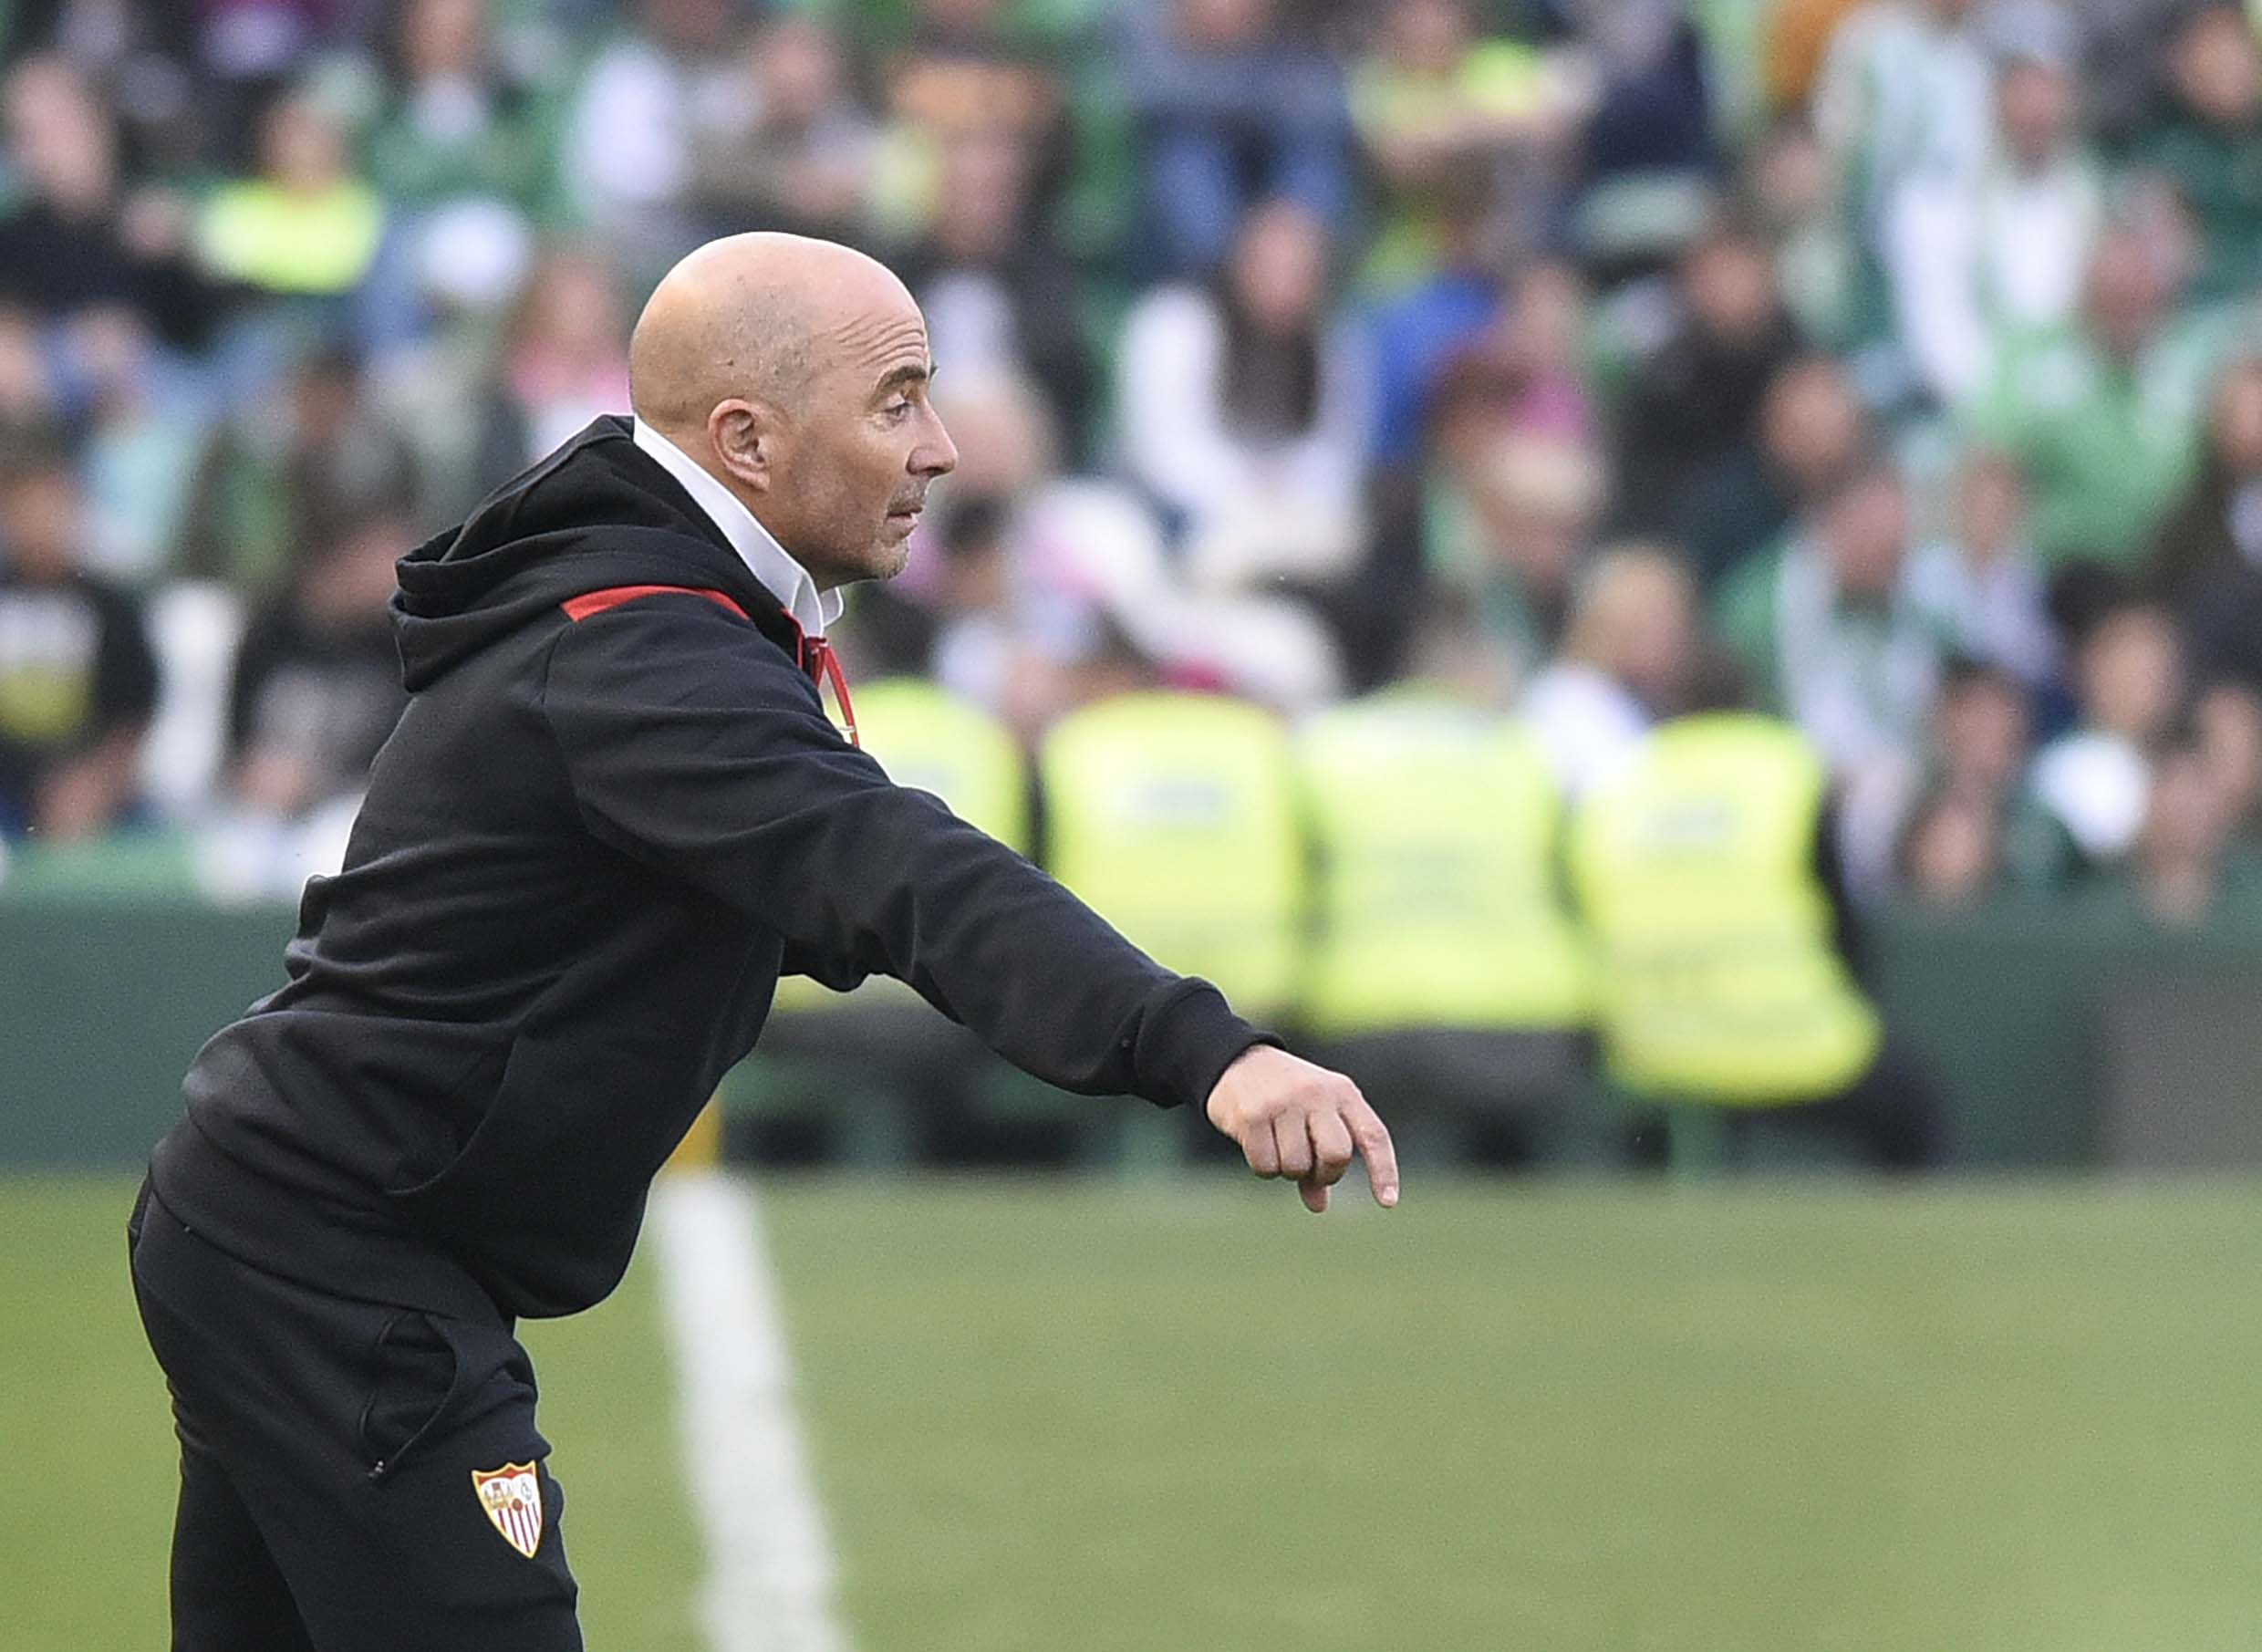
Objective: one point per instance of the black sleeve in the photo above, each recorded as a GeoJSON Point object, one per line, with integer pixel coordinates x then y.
{"type": "Point", "coordinates": [693, 745]}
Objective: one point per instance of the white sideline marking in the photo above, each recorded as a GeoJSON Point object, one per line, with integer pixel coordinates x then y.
{"type": "Point", "coordinates": [769, 1563]}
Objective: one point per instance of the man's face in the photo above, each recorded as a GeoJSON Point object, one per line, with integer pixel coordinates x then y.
{"type": "Point", "coordinates": [855, 458]}
{"type": "Point", "coordinates": [1984, 728]}
{"type": "Point", "coordinates": [1659, 649]}
{"type": "Point", "coordinates": [1990, 506]}
{"type": "Point", "coordinates": [2217, 66]}
{"type": "Point", "coordinates": [2131, 674]}
{"type": "Point", "coordinates": [58, 136]}
{"type": "Point", "coordinates": [1867, 533]}
{"type": "Point", "coordinates": [1811, 424]}
{"type": "Point", "coordinates": [2124, 294]}
{"type": "Point", "coordinates": [39, 524]}
{"type": "Point", "coordinates": [1730, 286]}
{"type": "Point", "coordinates": [2035, 103]}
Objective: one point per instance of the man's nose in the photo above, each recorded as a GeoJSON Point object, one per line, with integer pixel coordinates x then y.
{"type": "Point", "coordinates": [937, 454]}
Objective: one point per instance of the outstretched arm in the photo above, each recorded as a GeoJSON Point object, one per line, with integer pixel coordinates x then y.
{"type": "Point", "coordinates": [696, 748]}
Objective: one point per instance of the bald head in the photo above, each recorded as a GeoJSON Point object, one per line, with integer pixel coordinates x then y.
{"type": "Point", "coordinates": [792, 370]}
{"type": "Point", "coordinates": [744, 317]}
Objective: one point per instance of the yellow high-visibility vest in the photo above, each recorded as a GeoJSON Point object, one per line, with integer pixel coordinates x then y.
{"type": "Point", "coordinates": [321, 244]}
{"type": "Point", "coordinates": [1717, 974]}
{"type": "Point", "coordinates": [1173, 816]}
{"type": "Point", "coordinates": [929, 738]}
{"type": "Point", "coordinates": [1435, 885]}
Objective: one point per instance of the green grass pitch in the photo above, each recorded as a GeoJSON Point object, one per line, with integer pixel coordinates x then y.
{"type": "Point", "coordinates": [1081, 1417]}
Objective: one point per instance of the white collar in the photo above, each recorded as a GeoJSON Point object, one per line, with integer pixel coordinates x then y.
{"type": "Point", "coordinates": [770, 562]}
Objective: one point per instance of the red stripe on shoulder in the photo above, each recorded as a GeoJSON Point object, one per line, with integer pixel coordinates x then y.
{"type": "Point", "coordinates": [597, 602]}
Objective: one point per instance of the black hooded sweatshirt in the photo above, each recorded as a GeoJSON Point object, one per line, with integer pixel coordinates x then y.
{"type": "Point", "coordinates": [610, 818]}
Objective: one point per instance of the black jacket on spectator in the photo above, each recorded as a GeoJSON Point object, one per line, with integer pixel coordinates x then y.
{"type": "Point", "coordinates": [53, 265]}
{"type": "Point", "coordinates": [330, 696]}
{"type": "Point", "coordinates": [605, 825]}
{"type": "Point", "coordinates": [1689, 455]}
{"type": "Point", "coordinates": [75, 667]}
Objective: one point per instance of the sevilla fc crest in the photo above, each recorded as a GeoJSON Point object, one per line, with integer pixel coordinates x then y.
{"type": "Point", "coordinates": [511, 1497]}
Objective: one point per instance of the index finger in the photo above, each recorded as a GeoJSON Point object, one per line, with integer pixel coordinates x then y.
{"type": "Point", "coordinates": [1374, 1138]}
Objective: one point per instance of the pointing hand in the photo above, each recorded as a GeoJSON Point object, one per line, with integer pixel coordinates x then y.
{"type": "Point", "coordinates": [1294, 1119]}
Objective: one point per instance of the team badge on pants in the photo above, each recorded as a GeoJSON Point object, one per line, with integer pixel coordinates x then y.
{"type": "Point", "coordinates": [512, 1496]}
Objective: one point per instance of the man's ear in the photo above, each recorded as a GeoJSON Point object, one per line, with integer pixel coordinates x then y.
{"type": "Point", "coordinates": [744, 434]}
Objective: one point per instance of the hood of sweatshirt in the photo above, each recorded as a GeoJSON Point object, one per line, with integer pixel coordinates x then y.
{"type": "Point", "coordinates": [597, 513]}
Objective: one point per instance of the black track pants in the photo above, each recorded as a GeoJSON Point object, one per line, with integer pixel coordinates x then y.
{"type": "Point", "coordinates": [354, 1478]}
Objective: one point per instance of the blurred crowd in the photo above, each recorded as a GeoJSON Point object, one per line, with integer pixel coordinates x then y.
{"type": "Point", "coordinates": [1899, 361]}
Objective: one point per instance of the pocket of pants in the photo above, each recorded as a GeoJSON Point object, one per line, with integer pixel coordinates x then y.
{"type": "Point", "coordinates": [419, 1380]}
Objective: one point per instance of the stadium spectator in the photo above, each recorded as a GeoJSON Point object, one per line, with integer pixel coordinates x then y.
{"type": "Point", "coordinates": [1973, 768]}
{"type": "Point", "coordinates": [1982, 733]}
{"type": "Point", "coordinates": [77, 238]}
{"type": "Point", "coordinates": [2183, 866]}
{"type": "Point", "coordinates": [1976, 256]}
{"type": "Point", "coordinates": [1089, 569]}
{"type": "Point", "coordinates": [1510, 522]}
{"type": "Point", "coordinates": [1830, 631]}
{"type": "Point", "coordinates": [27, 385]}
{"type": "Point", "coordinates": [999, 290]}
{"type": "Point", "coordinates": [289, 474]}
{"type": "Point", "coordinates": [145, 436]}
{"type": "Point", "coordinates": [1417, 330]}
{"type": "Point", "coordinates": [459, 124]}
{"type": "Point", "coordinates": [1627, 660]}
{"type": "Point", "coordinates": [1904, 92]}
{"type": "Point", "coordinates": [1950, 857]}
{"type": "Point", "coordinates": [2227, 721]}
{"type": "Point", "coordinates": [1646, 159]}
{"type": "Point", "coordinates": [1789, 190]}
{"type": "Point", "coordinates": [2217, 528]}
{"type": "Point", "coordinates": [1242, 408]}
{"type": "Point", "coordinates": [2207, 145]}
{"type": "Point", "coordinates": [797, 150]}
{"type": "Point", "coordinates": [77, 680]}
{"type": "Point", "coordinates": [1231, 111]}
{"type": "Point", "coordinates": [957, 73]}
{"type": "Point", "coordinates": [1038, 592]}
{"type": "Point", "coordinates": [1438, 110]}
{"type": "Point", "coordinates": [972, 608]}
{"type": "Point", "coordinates": [1977, 587]}
{"type": "Point", "coordinates": [565, 360]}
{"type": "Point", "coordinates": [1449, 656]}
{"type": "Point", "coordinates": [1689, 425]}
{"type": "Point", "coordinates": [247, 51]}
{"type": "Point", "coordinates": [318, 678]}
{"type": "Point", "coordinates": [2094, 780]}
{"type": "Point", "coordinates": [1812, 431]}
{"type": "Point", "coordinates": [1543, 338]}
{"type": "Point", "coordinates": [2101, 414]}
{"type": "Point", "coordinates": [2125, 62]}
{"type": "Point", "coordinates": [306, 225]}
{"type": "Point", "coordinates": [1731, 960]}
{"type": "Point", "coordinates": [649, 92]}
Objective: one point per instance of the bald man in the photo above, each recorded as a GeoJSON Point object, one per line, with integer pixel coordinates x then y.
{"type": "Point", "coordinates": [614, 812]}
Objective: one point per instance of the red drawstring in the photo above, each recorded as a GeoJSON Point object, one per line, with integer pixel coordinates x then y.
{"type": "Point", "coordinates": [824, 666]}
